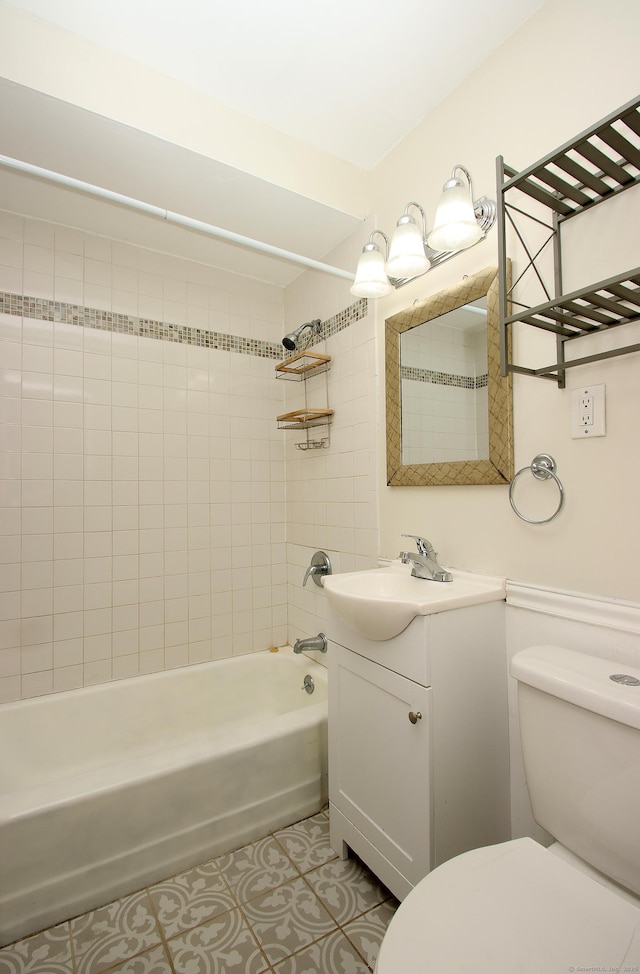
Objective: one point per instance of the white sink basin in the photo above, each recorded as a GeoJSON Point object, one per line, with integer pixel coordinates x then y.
{"type": "Point", "coordinates": [380, 603]}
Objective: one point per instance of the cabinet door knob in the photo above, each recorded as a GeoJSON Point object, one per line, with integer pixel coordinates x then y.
{"type": "Point", "coordinates": [415, 716]}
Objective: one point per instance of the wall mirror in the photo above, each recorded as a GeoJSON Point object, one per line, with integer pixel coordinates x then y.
{"type": "Point", "coordinates": [449, 411]}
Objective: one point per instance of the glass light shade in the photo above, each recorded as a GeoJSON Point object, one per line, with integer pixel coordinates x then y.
{"type": "Point", "coordinates": [371, 280]}
{"type": "Point", "coordinates": [406, 252]}
{"type": "Point", "coordinates": [455, 226]}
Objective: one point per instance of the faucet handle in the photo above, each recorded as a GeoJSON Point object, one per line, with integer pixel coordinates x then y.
{"type": "Point", "coordinates": [319, 567]}
{"type": "Point", "coordinates": [424, 547]}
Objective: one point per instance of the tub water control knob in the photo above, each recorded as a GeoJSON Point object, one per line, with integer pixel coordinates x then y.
{"type": "Point", "coordinates": [415, 716]}
{"type": "Point", "coordinates": [320, 567]}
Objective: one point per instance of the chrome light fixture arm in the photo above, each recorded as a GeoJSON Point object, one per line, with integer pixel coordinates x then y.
{"type": "Point", "coordinates": [484, 209]}
{"type": "Point", "coordinates": [371, 277]}
{"type": "Point", "coordinates": [407, 249]}
{"type": "Point", "coordinates": [406, 215]}
{"type": "Point", "coordinates": [406, 218]}
{"type": "Point", "coordinates": [371, 246]}
{"type": "Point", "coordinates": [454, 181]}
{"type": "Point", "coordinates": [460, 223]}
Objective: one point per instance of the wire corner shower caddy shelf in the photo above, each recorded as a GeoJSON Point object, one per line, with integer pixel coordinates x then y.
{"type": "Point", "coordinates": [300, 367]}
{"type": "Point", "coordinates": [593, 167]}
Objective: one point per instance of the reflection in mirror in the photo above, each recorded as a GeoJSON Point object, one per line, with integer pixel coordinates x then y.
{"type": "Point", "coordinates": [443, 382]}
{"type": "Point", "coordinates": [449, 415]}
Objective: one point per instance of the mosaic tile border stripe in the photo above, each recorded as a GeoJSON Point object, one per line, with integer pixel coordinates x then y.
{"type": "Point", "coordinates": [43, 309]}
{"type": "Point", "coordinates": [343, 319]}
{"type": "Point", "coordinates": [444, 378]}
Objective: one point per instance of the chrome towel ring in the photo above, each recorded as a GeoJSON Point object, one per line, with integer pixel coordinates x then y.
{"type": "Point", "coordinates": [542, 467]}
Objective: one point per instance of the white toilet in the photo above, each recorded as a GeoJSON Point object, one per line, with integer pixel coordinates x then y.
{"type": "Point", "coordinates": [517, 906]}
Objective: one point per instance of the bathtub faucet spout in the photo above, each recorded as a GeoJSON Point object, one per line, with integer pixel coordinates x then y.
{"type": "Point", "coordinates": [317, 643]}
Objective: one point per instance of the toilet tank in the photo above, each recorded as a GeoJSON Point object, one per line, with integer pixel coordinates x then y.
{"type": "Point", "coordinates": [580, 734]}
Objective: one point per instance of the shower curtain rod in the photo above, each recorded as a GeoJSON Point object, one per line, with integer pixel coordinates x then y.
{"type": "Point", "coordinates": [169, 217]}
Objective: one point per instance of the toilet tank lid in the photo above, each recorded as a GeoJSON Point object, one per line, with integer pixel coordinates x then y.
{"type": "Point", "coordinates": [582, 680]}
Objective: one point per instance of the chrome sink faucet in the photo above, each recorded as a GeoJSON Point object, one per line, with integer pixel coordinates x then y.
{"type": "Point", "coordinates": [424, 561]}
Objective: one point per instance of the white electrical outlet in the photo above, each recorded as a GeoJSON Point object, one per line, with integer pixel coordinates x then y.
{"type": "Point", "coordinates": [587, 412]}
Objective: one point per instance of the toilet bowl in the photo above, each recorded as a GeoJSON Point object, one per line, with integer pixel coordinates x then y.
{"type": "Point", "coordinates": [513, 907]}
{"type": "Point", "coordinates": [517, 907]}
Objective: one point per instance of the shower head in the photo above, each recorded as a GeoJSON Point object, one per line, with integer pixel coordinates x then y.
{"type": "Point", "coordinates": [292, 340]}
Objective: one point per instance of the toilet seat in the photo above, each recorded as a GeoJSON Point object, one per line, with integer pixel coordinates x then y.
{"type": "Point", "coordinates": [513, 907]}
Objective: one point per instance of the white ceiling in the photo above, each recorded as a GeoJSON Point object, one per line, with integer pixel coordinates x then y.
{"type": "Point", "coordinates": [351, 77]}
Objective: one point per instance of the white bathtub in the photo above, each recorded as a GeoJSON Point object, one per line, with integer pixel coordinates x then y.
{"type": "Point", "coordinates": [107, 789]}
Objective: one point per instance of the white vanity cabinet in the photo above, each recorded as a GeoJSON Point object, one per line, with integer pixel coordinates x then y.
{"type": "Point", "coordinates": [418, 742]}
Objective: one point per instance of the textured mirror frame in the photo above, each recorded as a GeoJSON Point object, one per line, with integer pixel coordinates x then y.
{"type": "Point", "coordinates": [498, 469]}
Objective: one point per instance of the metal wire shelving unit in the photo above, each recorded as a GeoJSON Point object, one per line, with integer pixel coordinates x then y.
{"type": "Point", "coordinates": [592, 168]}
{"type": "Point", "coordinates": [300, 367]}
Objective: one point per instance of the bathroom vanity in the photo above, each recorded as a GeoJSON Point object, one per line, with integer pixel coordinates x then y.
{"type": "Point", "coordinates": [418, 738]}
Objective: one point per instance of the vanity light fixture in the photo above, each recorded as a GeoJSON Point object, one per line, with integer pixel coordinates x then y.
{"type": "Point", "coordinates": [460, 223]}
{"type": "Point", "coordinates": [407, 251]}
{"type": "Point", "coordinates": [371, 277]}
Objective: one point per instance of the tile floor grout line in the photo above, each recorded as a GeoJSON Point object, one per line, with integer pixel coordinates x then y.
{"type": "Point", "coordinates": [354, 945]}
{"type": "Point", "coordinates": [341, 926]}
{"type": "Point", "coordinates": [72, 949]}
{"type": "Point", "coordinates": [300, 875]}
{"type": "Point", "coordinates": [308, 844]}
{"type": "Point", "coordinates": [237, 904]}
{"type": "Point", "coordinates": [305, 946]}
{"type": "Point", "coordinates": [268, 969]}
{"type": "Point", "coordinates": [163, 937]}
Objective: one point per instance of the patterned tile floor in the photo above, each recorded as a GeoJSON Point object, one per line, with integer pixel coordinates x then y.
{"type": "Point", "coordinates": [282, 905]}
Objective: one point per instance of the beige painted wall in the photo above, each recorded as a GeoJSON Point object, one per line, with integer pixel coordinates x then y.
{"type": "Point", "coordinates": [537, 92]}
{"type": "Point", "coordinates": [56, 62]}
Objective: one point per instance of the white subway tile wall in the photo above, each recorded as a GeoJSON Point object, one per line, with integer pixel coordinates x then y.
{"type": "Point", "coordinates": [142, 513]}
{"type": "Point", "coordinates": [332, 500]}
{"type": "Point", "coordinates": [146, 493]}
